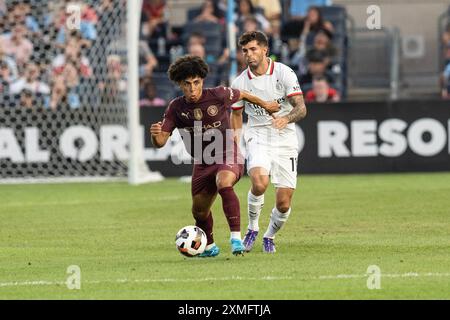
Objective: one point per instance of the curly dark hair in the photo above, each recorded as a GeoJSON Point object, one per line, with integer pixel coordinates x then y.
{"type": "Point", "coordinates": [187, 67]}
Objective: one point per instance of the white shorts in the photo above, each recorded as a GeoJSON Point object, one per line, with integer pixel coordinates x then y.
{"type": "Point", "coordinates": [280, 162]}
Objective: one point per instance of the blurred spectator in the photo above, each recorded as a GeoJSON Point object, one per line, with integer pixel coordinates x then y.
{"type": "Point", "coordinates": [196, 46]}
{"type": "Point", "coordinates": [322, 42]}
{"type": "Point", "coordinates": [321, 91]}
{"type": "Point", "coordinates": [58, 98]}
{"type": "Point", "coordinates": [271, 8]}
{"type": "Point", "coordinates": [2, 8]}
{"type": "Point", "coordinates": [75, 86]}
{"type": "Point", "coordinates": [154, 20]}
{"type": "Point", "coordinates": [16, 45]}
{"type": "Point", "coordinates": [8, 63]}
{"type": "Point", "coordinates": [250, 24]}
{"type": "Point", "coordinates": [298, 9]}
{"type": "Point", "coordinates": [445, 82]}
{"type": "Point", "coordinates": [317, 67]}
{"type": "Point", "coordinates": [197, 50]}
{"type": "Point", "coordinates": [446, 43]}
{"type": "Point", "coordinates": [27, 99]}
{"type": "Point", "coordinates": [19, 12]}
{"type": "Point", "coordinates": [313, 23]}
{"type": "Point", "coordinates": [149, 96]}
{"type": "Point", "coordinates": [87, 31]}
{"type": "Point", "coordinates": [211, 12]}
{"type": "Point", "coordinates": [247, 10]}
{"type": "Point", "coordinates": [5, 79]}
{"type": "Point", "coordinates": [115, 86]}
{"type": "Point", "coordinates": [147, 60]}
{"type": "Point", "coordinates": [72, 53]}
{"type": "Point", "coordinates": [30, 81]}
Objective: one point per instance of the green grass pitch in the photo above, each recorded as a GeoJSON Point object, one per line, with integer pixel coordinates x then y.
{"type": "Point", "coordinates": [122, 238]}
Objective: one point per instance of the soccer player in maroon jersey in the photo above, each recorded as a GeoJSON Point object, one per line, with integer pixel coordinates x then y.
{"type": "Point", "coordinates": [202, 117]}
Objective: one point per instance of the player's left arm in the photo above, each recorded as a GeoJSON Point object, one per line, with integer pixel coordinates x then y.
{"type": "Point", "coordinates": [294, 95]}
{"type": "Point", "coordinates": [298, 112]}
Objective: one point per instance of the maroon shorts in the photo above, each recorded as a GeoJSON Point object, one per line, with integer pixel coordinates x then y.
{"type": "Point", "coordinates": [204, 176]}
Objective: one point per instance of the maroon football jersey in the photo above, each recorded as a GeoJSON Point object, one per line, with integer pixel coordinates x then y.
{"type": "Point", "coordinates": [205, 125]}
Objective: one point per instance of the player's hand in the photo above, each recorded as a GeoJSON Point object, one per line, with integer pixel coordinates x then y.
{"type": "Point", "coordinates": [272, 106]}
{"type": "Point", "coordinates": [279, 123]}
{"type": "Point", "coordinates": [156, 129]}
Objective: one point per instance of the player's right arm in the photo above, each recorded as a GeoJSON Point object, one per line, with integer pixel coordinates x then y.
{"type": "Point", "coordinates": [159, 137]}
{"type": "Point", "coordinates": [161, 131]}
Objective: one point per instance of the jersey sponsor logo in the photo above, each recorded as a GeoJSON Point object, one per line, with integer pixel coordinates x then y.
{"type": "Point", "coordinates": [213, 111]}
{"type": "Point", "coordinates": [198, 114]}
{"type": "Point", "coordinates": [259, 111]}
{"type": "Point", "coordinates": [203, 128]}
{"type": "Point", "coordinates": [281, 100]}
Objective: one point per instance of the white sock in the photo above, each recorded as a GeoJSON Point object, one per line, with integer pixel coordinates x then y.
{"type": "Point", "coordinates": [236, 235]}
{"type": "Point", "coordinates": [255, 205]}
{"type": "Point", "coordinates": [209, 246]}
{"type": "Point", "coordinates": [277, 220]}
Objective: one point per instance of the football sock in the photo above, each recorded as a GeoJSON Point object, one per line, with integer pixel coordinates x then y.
{"type": "Point", "coordinates": [207, 226]}
{"type": "Point", "coordinates": [277, 220]}
{"type": "Point", "coordinates": [236, 235]}
{"type": "Point", "coordinates": [231, 208]}
{"type": "Point", "coordinates": [255, 205]}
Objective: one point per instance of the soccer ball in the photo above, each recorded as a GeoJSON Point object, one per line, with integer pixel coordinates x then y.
{"type": "Point", "coordinates": [191, 241]}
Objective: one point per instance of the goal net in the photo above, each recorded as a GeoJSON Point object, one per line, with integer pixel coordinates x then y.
{"type": "Point", "coordinates": [68, 91]}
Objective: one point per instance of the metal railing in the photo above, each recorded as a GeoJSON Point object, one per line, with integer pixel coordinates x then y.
{"type": "Point", "coordinates": [374, 59]}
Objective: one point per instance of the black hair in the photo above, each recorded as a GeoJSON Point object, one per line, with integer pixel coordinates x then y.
{"type": "Point", "coordinates": [187, 67]}
{"type": "Point", "coordinates": [259, 36]}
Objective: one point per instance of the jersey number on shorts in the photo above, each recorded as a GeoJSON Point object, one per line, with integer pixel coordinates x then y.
{"type": "Point", "coordinates": [294, 163]}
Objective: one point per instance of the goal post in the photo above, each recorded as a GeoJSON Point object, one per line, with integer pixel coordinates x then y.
{"type": "Point", "coordinates": [69, 102]}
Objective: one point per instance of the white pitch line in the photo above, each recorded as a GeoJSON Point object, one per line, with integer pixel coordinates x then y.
{"type": "Point", "coordinates": [122, 281]}
{"type": "Point", "coordinates": [385, 275]}
{"type": "Point", "coordinates": [96, 202]}
{"type": "Point", "coordinates": [235, 278]}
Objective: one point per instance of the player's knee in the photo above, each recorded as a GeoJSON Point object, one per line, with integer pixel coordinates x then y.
{"type": "Point", "coordinates": [199, 214]}
{"type": "Point", "coordinates": [222, 184]}
{"type": "Point", "coordinates": [283, 205]}
{"type": "Point", "coordinates": [259, 188]}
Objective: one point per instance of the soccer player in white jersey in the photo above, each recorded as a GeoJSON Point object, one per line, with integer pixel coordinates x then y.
{"type": "Point", "coordinates": [271, 140]}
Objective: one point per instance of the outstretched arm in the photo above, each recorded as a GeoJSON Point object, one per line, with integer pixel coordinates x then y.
{"type": "Point", "coordinates": [298, 112]}
{"type": "Point", "coordinates": [236, 120]}
{"type": "Point", "coordinates": [269, 106]}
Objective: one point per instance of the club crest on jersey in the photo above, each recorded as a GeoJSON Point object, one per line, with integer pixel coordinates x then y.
{"type": "Point", "coordinates": [279, 85]}
{"type": "Point", "coordinates": [213, 111]}
{"type": "Point", "coordinates": [198, 114]}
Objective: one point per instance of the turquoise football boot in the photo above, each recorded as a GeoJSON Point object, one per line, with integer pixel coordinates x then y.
{"type": "Point", "coordinates": [237, 248]}
{"type": "Point", "coordinates": [213, 252]}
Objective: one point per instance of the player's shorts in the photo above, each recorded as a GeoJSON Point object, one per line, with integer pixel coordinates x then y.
{"type": "Point", "coordinates": [204, 176]}
{"type": "Point", "coordinates": [280, 162]}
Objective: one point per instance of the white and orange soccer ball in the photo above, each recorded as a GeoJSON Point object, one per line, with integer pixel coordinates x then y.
{"type": "Point", "coordinates": [191, 241]}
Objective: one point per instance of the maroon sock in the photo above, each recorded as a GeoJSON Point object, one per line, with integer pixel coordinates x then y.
{"type": "Point", "coordinates": [231, 208]}
{"type": "Point", "coordinates": [207, 226]}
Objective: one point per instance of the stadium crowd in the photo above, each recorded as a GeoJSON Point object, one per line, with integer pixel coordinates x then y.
{"type": "Point", "coordinates": [299, 37]}
{"type": "Point", "coordinates": [45, 62]}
